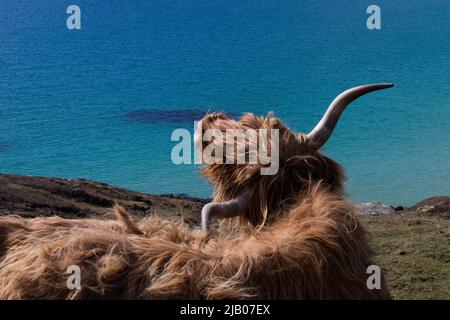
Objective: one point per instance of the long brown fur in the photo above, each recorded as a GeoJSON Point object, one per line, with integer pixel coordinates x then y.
{"type": "Point", "coordinates": [299, 240]}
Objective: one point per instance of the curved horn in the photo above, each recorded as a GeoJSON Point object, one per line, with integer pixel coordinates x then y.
{"type": "Point", "coordinates": [323, 130]}
{"type": "Point", "coordinates": [228, 209]}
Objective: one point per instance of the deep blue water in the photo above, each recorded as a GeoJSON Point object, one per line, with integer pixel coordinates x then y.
{"type": "Point", "coordinates": [98, 102]}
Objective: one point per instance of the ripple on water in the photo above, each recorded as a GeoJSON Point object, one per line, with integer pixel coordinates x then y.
{"type": "Point", "coordinates": [4, 146]}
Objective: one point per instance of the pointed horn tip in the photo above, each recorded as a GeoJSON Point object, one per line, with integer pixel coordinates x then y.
{"type": "Point", "coordinates": [323, 130]}
{"type": "Point", "coordinates": [374, 86]}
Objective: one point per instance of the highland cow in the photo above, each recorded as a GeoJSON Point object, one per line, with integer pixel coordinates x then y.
{"type": "Point", "coordinates": [290, 235]}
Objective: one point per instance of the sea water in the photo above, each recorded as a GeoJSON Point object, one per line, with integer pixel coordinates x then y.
{"type": "Point", "coordinates": [101, 102]}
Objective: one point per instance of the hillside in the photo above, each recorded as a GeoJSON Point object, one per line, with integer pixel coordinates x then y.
{"type": "Point", "coordinates": [412, 245]}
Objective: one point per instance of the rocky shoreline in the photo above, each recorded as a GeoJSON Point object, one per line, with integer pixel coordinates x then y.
{"type": "Point", "coordinates": [31, 196]}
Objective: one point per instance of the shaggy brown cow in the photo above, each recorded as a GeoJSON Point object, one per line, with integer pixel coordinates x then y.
{"type": "Point", "coordinates": [293, 236]}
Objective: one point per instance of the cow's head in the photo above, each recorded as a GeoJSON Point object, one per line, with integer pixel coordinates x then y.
{"type": "Point", "coordinates": [259, 167]}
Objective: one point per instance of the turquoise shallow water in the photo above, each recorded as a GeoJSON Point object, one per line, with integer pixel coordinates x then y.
{"type": "Point", "coordinates": [71, 101]}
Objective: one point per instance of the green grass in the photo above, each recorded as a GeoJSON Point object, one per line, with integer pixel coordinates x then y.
{"type": "Point", "coordinates": [414, 252]}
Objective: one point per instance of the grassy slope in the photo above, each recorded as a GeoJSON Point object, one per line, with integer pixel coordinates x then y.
{"type": "Point", "coordinates": [414, 251]}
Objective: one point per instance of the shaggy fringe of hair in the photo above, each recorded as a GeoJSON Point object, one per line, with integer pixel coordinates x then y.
{"type": "Point", "coordinates": [316, 251]}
